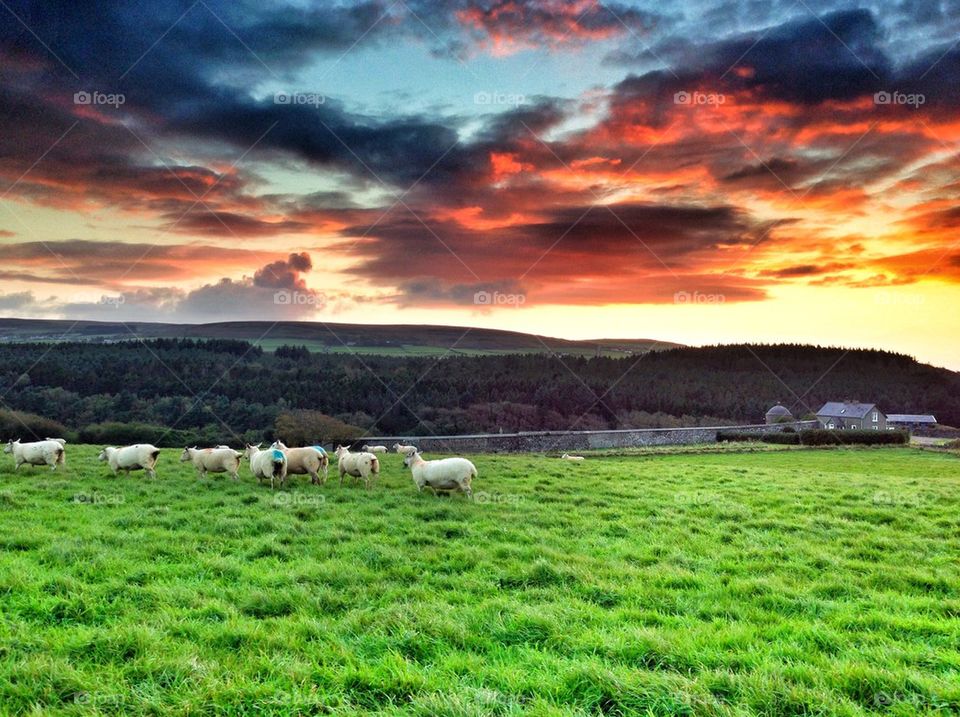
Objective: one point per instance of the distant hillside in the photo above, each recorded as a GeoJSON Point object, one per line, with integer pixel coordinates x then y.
{"type": "Point", "coordinates": [385, 339]}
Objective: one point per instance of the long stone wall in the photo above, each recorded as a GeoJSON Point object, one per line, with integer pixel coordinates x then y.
{"type": "Point", "coordinates": [544, 441]}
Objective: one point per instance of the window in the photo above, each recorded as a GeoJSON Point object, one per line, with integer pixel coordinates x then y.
{"type": "Point", "coordinates": [830, 425]}
{"type": "Point", "coordinates": [876, 416]}
{"type": "Point", "coordinates": [876, 428]}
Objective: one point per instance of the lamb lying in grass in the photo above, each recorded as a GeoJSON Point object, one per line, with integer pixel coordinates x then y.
{"type": "Point", "coordinates": [358, 465]}
{"type": "Point", "coordinates": [375, 449]}
{"type": "Point", "coordinates": [568, 457]}
{"type": "Point", "coordinates": [445, 474]}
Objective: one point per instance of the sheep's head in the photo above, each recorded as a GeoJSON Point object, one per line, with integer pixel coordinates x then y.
{"type": "Point", "coordinates": [103, 453]}
{"type": "Point", "coordinates": [410, 458]}
{"type": "Point", "coordinates": [250, 450]}
{"type": "Point", "coordinates": [341, 451]}
{"type": "Point", "coordinates": [9, 447]}
{"type": "Point", "coordinates": [279, 444]}
{"type": "Point", "coordinates": [185, 456]}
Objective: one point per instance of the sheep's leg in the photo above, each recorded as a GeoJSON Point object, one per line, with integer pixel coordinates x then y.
{"type": "Point", "coordinates": [314, 478]}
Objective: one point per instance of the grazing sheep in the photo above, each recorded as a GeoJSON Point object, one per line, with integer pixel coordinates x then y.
{"type": "Point", "coordinates": [444, 474]}
{"type": "Point", "coordinates": [213, 460]}
{"type": "Point", "coordinates": [375, 449]}
{"type": "Point", "coordinates": [358, 465]}
{"type": "Point", "coordinates": [131, 458]}
{"type": "Point", "coordinates": [271, 463]}
{"type": "Point", "coordinates": [404, 450]}
{"type": "Point", "coordinates": [49, 452]}
{"type": "Point", "coordinates": [568, 457]}
{"type": "Point", "coordinates": [310, 461]}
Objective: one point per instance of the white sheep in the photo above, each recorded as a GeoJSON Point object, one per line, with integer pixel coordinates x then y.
{"type": "Point", "coordinates": [310, 461]}
{"type": "Point", "coordinates": [568, 457]}
{"type": "Point", "coordinates": [444, 474]}
{"type": "Point", "coordinates": [61, 441]}
{"type": "Point", "coordinates": [374, 449]}
{"type": "Point", "coordinates": [404, 450]}
{"type": "Point", "coordinates": [271, 463]}
{"type": "Point", "coordinates": [49, 452]}
{"type": "Point", "coordinates": [213, 460]}
{"type": "Point", "coordinates": [131, 458]}
{"type": "Point", "coordinates": [358, 465]}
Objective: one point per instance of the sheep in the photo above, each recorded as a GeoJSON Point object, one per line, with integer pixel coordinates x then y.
{"type": "Point", "coordinates": [404, 450]}
{"type": "Point", "coordinates": [444, 474]}
{"type": "Point", "coordinates": [213, 460]}
{"type": "Point", "coordinates": [310, 461]}
{"type": "Point", "coordinates": [358, 465]}
{"type": "Point", "coordinates": [131, 458]}
{"type": "Point", "coordinates": [61, 441]}
{"type": "Point", "coordinates": [374, 449]}
{"type": "Point", "coordinates": [49, 452]}
{"type": "Point", "coordinates": [271, 463]}
{"type": "Point", "coordinates": [568, 457]}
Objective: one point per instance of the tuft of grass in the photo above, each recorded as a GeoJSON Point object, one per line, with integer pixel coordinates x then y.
{"type": "Point", "coordinates": [681, 582]}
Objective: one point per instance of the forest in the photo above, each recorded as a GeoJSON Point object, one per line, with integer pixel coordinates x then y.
{"type": "Point", "coordinates": [187, 390]}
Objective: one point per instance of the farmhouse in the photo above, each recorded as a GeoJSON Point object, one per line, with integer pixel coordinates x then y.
{"type": "Point", "coordinates": [911, 421]}
{"type": "Point", "coordinates": [779, 414]}
{"type": "Point", "coordinates": [842, 415]}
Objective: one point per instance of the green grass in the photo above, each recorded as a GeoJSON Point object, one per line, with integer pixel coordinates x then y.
{"type": "Point", "coordinates": [783, 582]}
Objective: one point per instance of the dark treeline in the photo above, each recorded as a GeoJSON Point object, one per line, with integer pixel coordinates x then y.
{"type": "Point", "coordinates": [225, 389]}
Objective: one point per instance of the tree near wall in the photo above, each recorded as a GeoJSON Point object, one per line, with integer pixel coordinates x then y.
{"type": "Point", "coordinates": [307, 428]}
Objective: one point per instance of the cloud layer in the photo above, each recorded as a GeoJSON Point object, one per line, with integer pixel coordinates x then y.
{"type": "Point", "coordinates": [736, 152]}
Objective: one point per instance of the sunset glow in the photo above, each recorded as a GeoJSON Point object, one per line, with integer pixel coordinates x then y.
{"type": "Point", "coordinates": [692, 174]}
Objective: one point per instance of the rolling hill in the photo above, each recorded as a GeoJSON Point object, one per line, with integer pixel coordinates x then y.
{"type": "Point", "coordinates": [385, 339]}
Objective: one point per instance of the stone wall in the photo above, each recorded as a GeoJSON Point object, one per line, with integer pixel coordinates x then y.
{"type": "Point", "coordinates": [569, 441]}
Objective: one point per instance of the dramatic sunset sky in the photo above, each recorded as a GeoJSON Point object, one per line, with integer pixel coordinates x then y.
{"type": "Point", "coordinates": [701, 172]}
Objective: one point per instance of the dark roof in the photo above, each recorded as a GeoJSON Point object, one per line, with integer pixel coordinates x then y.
{"type": "Point", "coordinates": [840, 409]}
{"type": "Point", "coordinates": [779, 410]}
{"type": "Point", "coordinates": [911, 418]}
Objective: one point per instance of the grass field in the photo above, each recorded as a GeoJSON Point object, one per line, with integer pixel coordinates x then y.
{"type": "Point", "coordinates": [777, 583]}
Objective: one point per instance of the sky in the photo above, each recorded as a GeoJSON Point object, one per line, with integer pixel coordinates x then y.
{"type": "Point", "coordinates": [701, 172]}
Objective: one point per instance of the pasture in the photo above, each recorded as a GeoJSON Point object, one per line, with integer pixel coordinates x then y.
{"type": "Point", "coordinates": [778, 582]}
